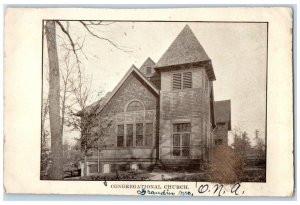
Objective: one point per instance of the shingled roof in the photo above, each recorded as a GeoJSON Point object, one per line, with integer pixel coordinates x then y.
{"type": "Point", "coordinates": [184, 49]}
{"type": "Point", "coordinates": [148, 62]}
{"type": "Point", "coordinates": [223, 112]}
{"type": "Point", "coordinates": [97, 106]}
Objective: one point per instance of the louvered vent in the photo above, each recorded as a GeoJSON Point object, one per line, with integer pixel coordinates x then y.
{"type": "Point", "coordinates": [177, 81]}
{"type": "Point", "coordinates": [187, 80]}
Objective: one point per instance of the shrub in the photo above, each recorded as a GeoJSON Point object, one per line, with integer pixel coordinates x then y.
{"type": "Point", "coordinates": [227, 166]}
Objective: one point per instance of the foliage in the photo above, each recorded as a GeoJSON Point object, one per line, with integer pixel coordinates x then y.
{"type": "Point", "coordinates": [260, 147]}
{"type": "Point", "coordinates": [45, 161]}
{"type": "Point", "coordinates": [227, 165]}
{"type": "Point", "coordinates": [191, 177]}
{"type": "Point", "coordinates": [241, 143]}
{"type": "Point", "coordinates": [121, 175]}
{"type": "Point", "coordinates": [258, 175]}
{"type": "Point", "coordinates": [71, 157]}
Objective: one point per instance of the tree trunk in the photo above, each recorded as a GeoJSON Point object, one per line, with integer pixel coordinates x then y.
{"type": "Point", "coordinates": [54, 103]}
{"type": "Point", "coordinates": [44, 114]}
{"type": "Point", "coordinates": [98, 156]}
{"type": "Point", "coordinates": [85, 162]}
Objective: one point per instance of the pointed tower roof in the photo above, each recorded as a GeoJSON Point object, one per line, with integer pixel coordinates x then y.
{"type": "Point", "coordinates": [185, 49]}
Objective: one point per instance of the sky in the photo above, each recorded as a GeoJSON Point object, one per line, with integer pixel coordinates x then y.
{"type": "Point", "coordinates": [238, 52]}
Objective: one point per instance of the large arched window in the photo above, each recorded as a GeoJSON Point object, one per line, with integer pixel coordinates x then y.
{"type": "Point", "coordinates": [135, 106]}
{"type": "Point", "coordinates": [135, 132]}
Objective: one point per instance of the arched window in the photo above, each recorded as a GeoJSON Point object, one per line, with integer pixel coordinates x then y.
{"type": "Point", "coordinates": [135, 132]}
{"type": "Point", "coordinates": [135, 106]}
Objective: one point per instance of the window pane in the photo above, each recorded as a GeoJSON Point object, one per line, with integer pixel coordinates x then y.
{"type": "Point", "coordinates": [149, 139]}
{"type": "Point", "coordinates": [129, 141]}
{"type": "Point", "coordinates": [120, 131]}
{"type": "Point", "coordinates": [149, 128]}
{"type": "Point", "coordinates": [139, 140]}
{"type": "Point", "coordinates": [93, 168]}
{"type": "Point", "coordinates": [148, 70]}
{"type": "Point", "coordinates": [113, 167]}
{"type": "Point", "coordinates": [129, 129]}
{"type": "Point", "coordinates": [186, 139]}
{"type": "Point", "coordinates": [149, 134]}
{"type": "Point", "coordinates": [120, 141]}
{"type": "Point", "coordinates": [176, 140]}
{"type": "Point", "coordinates": [177, 127]}
{"type": "Point", "coordinates": [129, 136]}
{"type": "Point", "coordinates": [176, 151]}
{"type": "Point", "coordinates": [135, 106]}
{"type": "Point", "coordinates": [139, 129]}
{"type": "Point", "coordinates": [185, 151]}
{"type": "Point", "coordinates": [186, 127]}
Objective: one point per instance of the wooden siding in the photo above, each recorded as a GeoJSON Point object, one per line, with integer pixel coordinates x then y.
{"type": "Point", "coordinates": [185, 105]}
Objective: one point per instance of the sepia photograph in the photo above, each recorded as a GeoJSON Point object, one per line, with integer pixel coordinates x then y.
{"type": "Point", "coordinates": [154, 100]}
{"type": "Point", "coordinates": [149, 102]}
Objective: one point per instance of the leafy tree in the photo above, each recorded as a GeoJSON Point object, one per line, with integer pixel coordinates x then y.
{"type": "Point", "coordinates": [241, 143]}
{"type": "Point", "coordinates": [71, 156]}
{"type": "Point", "coordinates": [260, 146]}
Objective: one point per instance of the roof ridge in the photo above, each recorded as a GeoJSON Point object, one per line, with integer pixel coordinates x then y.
{"type": "Point", "coordinates": [185, 48]}
{"type": "Point", "coordinates": [132, 69]}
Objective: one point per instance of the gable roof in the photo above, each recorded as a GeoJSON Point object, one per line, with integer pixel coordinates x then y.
{"type": "Point", "coordinates": [143, 68]}
{"type": "Point", "coordinates": [100, 104]}
{"type": "Point", "coordinates": [132, 69]}
{"type": "Point", "coordinates": [223, 112]}
{"type": "Point", "coordinates": [184, 49]}
{"type": "Point", "coordinates": [148, 62]}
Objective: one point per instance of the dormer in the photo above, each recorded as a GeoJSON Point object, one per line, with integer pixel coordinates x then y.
{"type": "Point", "coordinates": [147, 68]}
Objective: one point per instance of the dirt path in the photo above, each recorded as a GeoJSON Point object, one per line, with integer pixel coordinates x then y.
{"type": "Point", "coordinates": [162, 176]}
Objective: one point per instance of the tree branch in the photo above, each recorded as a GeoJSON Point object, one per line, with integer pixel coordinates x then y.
{"type": "Point", "coordinates": [102, 38]}
{"type": "Point", "coordinates": [71, 42]}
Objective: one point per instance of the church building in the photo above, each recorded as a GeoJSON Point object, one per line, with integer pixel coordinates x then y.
{"type": "Point", "coordinates": [160, 116]}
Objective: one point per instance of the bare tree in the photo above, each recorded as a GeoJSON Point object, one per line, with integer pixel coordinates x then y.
{"type": "Point", "coordinates": [58, 108]}
{"type": "Point", "coordinates": [67, 76]}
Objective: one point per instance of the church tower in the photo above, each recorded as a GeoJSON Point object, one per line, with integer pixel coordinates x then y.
{"type": "Point", "coordinates": [186, 102]}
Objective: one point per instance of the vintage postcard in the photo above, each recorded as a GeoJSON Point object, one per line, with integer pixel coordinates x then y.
{"type": "Point", "coordinates": [149, 102]}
